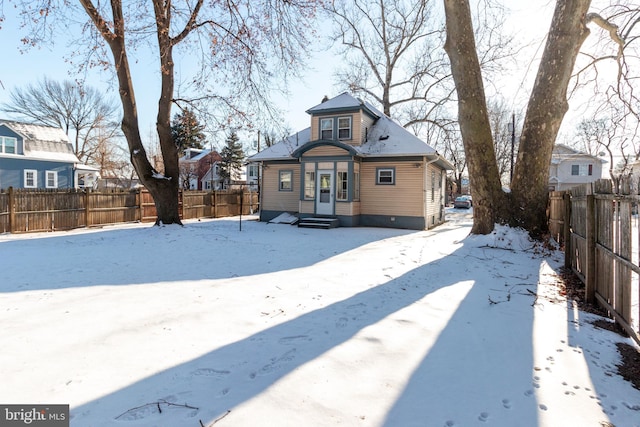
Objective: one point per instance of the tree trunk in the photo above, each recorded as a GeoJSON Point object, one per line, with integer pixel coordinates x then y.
{"type": "Point", "coordinates": [546, 109]}
{"type": "Point", "coordinates": [526, 205]}
{"type": "Point", "coordinates": [163, 187]}
{"type": "Point", "coordinates": [488, 197]}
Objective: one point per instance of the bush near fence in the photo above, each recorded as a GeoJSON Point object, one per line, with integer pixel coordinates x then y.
{"type": "Point", "coordinates": [599, 229]}
{"type": "Point", "coordinates": [34, 210]}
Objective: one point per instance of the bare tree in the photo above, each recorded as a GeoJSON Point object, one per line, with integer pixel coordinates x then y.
{"type": "Point", "coordinates": [525, 206]}
{"type": "Point", "coordinates": [240, 45]}
{"type": "Point", "coordinates": [78, 110]}
{"type": "Point", "coordinates": [502, 122]}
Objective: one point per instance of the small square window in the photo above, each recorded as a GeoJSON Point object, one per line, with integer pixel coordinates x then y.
{"type": "Point", "coordinates": [286, 181]}
{"type": "Point", "coordinates": [385, 176]}
{"type": "Point", "coordinates": [30, 178]}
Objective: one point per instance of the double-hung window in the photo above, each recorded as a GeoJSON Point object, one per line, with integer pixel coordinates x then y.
{"type": "Point", "coordinates": [285, 182]}
{"type": "Point", "coordinates": [309, 185]}
{"type": "Point", "coordinates": [326, 128]}
{"type": "Point", "coordinates": [8, 144]}
{"type": "Point", "coordinates": [52, 179]}
{"type": "Point", "coordinates": [581, 170]}
{"type": "Point", "coordinates": [344, 128]}
{"type": "Point", "coordinates": [342, 185]}
{"type": "Point", "coordinates": [30, 178]}
{"type": "Point", "coordinates": [385, 176]}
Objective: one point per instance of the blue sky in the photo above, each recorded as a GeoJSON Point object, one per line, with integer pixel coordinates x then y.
{"type": "Point", "coordinates": [30, 67]}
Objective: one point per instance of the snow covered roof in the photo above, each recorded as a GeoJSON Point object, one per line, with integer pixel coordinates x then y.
{"type": "Point", "coordinates": [43, 142]}
{"type": "Point", "coordinates": [563, 152]}
{"type": "Point", "coordinates": [385, 138]}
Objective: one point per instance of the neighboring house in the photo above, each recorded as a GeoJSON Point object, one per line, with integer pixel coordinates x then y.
{"type": "Point", "coordinates": [570, 167]}
{"type": "Point", "coordinates": [357, 165]}
{"type": "Point", "coordinates": [199, 169]}
{"type": "Point", "coordinates": [37, 156]}
{"type": "Point", "coordinates": [253, 172]}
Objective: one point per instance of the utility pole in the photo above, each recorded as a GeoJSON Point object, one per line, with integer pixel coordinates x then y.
{"type": "Point", "coordinates": [513, 144]}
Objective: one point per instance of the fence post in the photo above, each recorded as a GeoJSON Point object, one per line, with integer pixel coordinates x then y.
{"type": "Point", "coordinates": [139, 203]}
{"type": "Point", "coordinates": [12, 210]}
{"type": "Point", "coordinates": [566, 198]}
{"type": "Point", "coordinates": [590, 270]}
{"type": "Point", "coordinates": [86, 208]}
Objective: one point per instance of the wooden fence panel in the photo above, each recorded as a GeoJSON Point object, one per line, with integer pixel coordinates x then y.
{"type": "Point", "coordinates": [5, 226]}
{"type": "Point", "coordinates": [47, 210]}
{"type": "Point", "coordinates": [556, 215]}
{"type": "Point", "coordinates": [112, 207]}
{"type": "Point", "coordinates": [615, 276]}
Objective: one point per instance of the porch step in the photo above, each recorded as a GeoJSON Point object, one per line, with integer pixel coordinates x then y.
{"type": "Point", "coordinates": [317, 222]}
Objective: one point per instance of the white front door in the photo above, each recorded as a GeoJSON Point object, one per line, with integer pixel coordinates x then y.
{"type": "Point", "coordinates": [325, 196]}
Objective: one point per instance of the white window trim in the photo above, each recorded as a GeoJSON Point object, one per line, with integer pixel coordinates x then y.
{"type": "Point", "coordinates": [281, 181]}
{"type": "Point", "coordinates": [3, 144]}
{"type": "Point", "coordinates": [393, 176]}
{"type": "Point", "coordinates": [350, 127]}
{"type": "Point", "coordinates": [55, 179]}
{"type": "Point", "coordinates": [330, 120]}
{"type": "Point", "coordinates": [35, 178]}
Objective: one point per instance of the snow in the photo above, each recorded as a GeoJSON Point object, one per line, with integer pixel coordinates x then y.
{"type": "Point", "coordinates": [276, 325]}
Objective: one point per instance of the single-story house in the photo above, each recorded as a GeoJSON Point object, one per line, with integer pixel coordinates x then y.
{"type": "Point", "coordinates": [356, 165]}
{"type": "Point", "coordinates": [38, 156]}
{"type": "Point", "coordinates": [570, 167]}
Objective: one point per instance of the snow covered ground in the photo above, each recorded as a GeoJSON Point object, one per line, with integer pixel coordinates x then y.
{"type": "Point", "coordinates": [276, 325]}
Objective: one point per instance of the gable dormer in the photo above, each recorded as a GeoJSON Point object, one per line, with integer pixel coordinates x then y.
{"type": "Point", "coordinates": [344, 119]}
{"type": "Point", "coordinates": [10, 141]}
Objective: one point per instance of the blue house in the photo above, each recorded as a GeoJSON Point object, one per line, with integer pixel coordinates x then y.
{"type": "Point", "coordinates": [37, 156]}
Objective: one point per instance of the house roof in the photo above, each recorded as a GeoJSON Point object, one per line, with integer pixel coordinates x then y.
{"type": "Point", "coordinates": [203, 154]}
{"type": "Point", "coordinates": [562, 152]}
{"type": "Point", "coordinates": [385, 138]}
{"type": "Point", "coordinates": [43, 142]}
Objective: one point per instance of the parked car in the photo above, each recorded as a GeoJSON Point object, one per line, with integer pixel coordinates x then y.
{"type": "Point", "coordinates": [464, 202]}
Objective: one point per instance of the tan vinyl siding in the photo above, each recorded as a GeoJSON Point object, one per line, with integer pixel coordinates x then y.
{"type": "Point", "coordinates": [366, 123]}
{"type": "Point", "coordinates": [307, 206]}
{"type": "Point", "coordinates": [356, 127]}
{"type": "Point", "coordinates": [275, 200]}
{"type": "Point", "coordinates": [433, 207]}
{"type": "Point", "coordinates": [405, 198]}
{"type": "Point", "coordinates": [344, 208]}
{"type": "Point", "coordinates": [326, 150]}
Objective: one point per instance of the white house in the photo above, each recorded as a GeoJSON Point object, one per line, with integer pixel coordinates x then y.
{"type": "Point", "coordinates": [570, 167]}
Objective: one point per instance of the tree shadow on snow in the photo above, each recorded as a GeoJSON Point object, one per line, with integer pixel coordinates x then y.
{"type": "Point", "coordinates": [459, 380]}
{"type": "Point", "coordinates": [207, 250]}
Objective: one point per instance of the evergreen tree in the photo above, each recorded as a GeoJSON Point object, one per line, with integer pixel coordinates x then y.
{"type": "Point", "coordinates": [232, 157]}
{"type": "Point", "coordinates": [186, 130]}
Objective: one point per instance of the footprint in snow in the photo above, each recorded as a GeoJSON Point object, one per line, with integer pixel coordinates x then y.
{"type": "Point", "coordinates": [506, 403]}
{"type": "Point", "coordinates": [484, 416]}
{"type": "Point", "coordinates": [294, 339]}
{"type": "Point", "coordinates": [342, 322]}
{"type": "Point", "coordinates": [209, 372]}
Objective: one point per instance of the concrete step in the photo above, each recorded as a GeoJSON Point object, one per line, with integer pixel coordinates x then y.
{"type": "Point", "coordinates": [318, 222]}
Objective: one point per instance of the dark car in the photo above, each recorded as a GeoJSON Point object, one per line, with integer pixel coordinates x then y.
{"type": "Point", "coordinates": [462, 202]}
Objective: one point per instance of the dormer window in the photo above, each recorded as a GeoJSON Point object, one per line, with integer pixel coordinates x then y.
{"type": "Point", "coordinates": [344, 128]}
{"type": "Point", "coordinates": [8, 145]}
{"type": "Point", "coordinates": [326, 128]}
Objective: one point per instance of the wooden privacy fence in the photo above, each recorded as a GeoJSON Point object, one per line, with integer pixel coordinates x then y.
{"type": "Point", "coordinates": [24, 211]}
{"type": "Point", "coordinates": [600, 233]}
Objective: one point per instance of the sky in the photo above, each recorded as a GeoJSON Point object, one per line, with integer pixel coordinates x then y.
{"type": "Point", "coordinates": [30, 67]}
{"type": "Point", "coordinates": [275, 325]}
